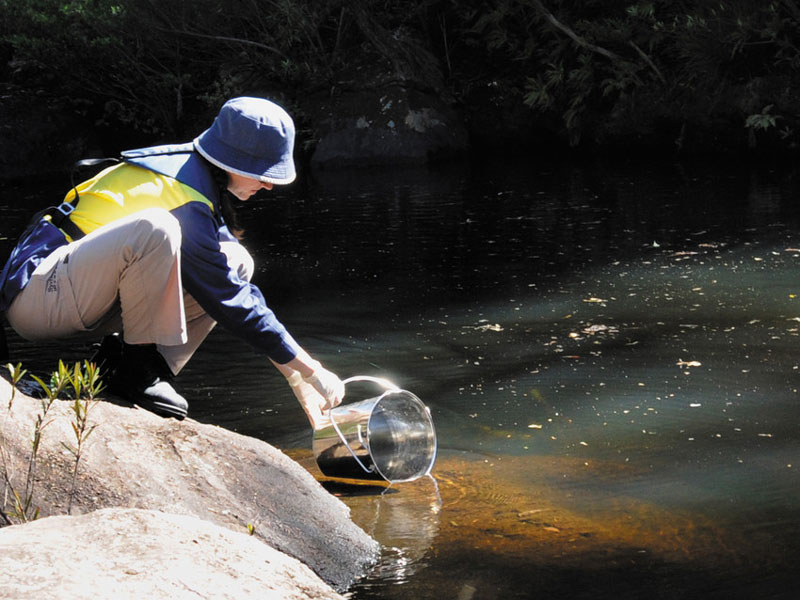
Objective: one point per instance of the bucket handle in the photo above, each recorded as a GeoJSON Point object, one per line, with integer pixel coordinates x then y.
{"type": "Point", "coordinates": [386, 384]}
{"type": "Point", "coordinates": [379, 380]}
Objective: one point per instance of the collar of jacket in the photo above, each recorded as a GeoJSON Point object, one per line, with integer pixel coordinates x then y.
{"type": "Point", "coordinates": [180, 162]}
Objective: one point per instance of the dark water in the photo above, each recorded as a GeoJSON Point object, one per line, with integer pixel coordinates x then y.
{"type": "Point", "coordinates": [610, 353]}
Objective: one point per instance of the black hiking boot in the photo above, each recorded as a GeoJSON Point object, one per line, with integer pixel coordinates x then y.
{"type": "Point", "coordinates": [107, 356]}
{"type": "Point", "coordinates": [143, 378]}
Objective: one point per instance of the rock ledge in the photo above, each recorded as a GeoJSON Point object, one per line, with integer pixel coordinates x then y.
{"type": "Point", "coordinates": [137, 460]}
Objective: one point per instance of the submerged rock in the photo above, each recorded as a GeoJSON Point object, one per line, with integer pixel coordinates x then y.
{"type": "Point", "coordinates": [135, 459]}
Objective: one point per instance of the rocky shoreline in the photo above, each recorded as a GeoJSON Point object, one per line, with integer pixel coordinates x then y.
{"type": "Point", "coordinates": [166, 508]}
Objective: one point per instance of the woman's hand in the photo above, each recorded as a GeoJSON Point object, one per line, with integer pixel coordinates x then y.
{"type": "Point", "coordinates": [314, 404]}
{"type": "Point", "coordinates": [315, 387]}
{"type": "Point", "coordinates": [328, 385]}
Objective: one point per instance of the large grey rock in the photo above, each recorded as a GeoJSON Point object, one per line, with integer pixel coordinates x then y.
{"type": "Point", "coordinates": [132, 553]}
{"type": "Point", "coordinates": [138, 460]}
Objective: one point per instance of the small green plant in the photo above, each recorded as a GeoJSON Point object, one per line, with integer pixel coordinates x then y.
{"type": "Point", "coordinates": [84, 381]}
{"type": "Point", "coordinates": [17, 373]}
{"type": "Point", "coordinates": [83, 384]}
{"type": "Point", "coordinates": [93, 384]}
{"type": "Point", "coordinates": [58, 382]}
{"type": "Point", "coordinates": [23, 504]}
{"type": "Point", "coordinates": [251, 527]}
{"type": "Point", "coordinates": [762, 121]}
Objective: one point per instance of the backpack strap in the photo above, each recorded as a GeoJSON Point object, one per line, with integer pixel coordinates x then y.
{"type": "Point", "coordinates": [59, 215]}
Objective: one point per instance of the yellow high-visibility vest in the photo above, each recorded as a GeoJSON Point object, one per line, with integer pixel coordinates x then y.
{"type": "Point", "coordinates": [125, 189]}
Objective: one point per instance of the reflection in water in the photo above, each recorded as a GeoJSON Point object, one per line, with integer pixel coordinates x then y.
{"type": "Point", "coordinates": [406, 522]}
{"type": "Point", "coordinates": [609, 352]}
{"type": "Point", "coordinates": [404, 518]}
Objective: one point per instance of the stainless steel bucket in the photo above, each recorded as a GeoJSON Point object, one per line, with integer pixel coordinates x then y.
{"type": "Point", "coordinates": [389, 437]}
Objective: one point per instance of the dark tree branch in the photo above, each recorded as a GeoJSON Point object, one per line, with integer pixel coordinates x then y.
{"type": "Point", "coordinates": [649, 61]}
{"type": "Point", "coordinates": [224, 38]}
{"type": "Point", "coordinates": [571, 34]}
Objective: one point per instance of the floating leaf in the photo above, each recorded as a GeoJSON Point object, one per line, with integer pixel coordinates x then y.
{"type": "Point", "coordinates": [553, 529]}
{"type": "Point", "coordinates": [688, 363]}
{"type": "Point", "coordinates": [489, 327]}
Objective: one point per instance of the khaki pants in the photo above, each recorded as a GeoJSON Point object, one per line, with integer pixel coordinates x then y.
{"type": "Point", "coordinates": [124, 277]}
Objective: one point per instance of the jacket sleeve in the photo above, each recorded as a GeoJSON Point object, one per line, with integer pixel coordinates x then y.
{"type": "Point", "coordinates": [237, 305]}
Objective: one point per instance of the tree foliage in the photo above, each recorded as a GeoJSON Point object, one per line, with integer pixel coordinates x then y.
{"type": "Point", "coordinates": [608, 66]}
{"type": "Point", "coordinates": [589, 69]}
{"type": "Point", "coordinates": [146, 60]}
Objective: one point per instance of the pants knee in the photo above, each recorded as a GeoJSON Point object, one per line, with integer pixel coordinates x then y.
{"type": "Point", "coordinates": [157, 225]}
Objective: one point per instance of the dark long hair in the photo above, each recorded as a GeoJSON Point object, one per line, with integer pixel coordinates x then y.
{"type": "Point", "coordinates": [226, 199]}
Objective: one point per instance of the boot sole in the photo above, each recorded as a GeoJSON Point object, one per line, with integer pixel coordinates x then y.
{"type": "Point", "coordinates": [163, 410]}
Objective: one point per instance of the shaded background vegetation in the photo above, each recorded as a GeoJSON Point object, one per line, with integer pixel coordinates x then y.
{"type": "Point", "coordinates": [689, 75]}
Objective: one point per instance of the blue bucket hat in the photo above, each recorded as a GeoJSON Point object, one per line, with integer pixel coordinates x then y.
{"type": "Point", "coordinates": [252, 137]}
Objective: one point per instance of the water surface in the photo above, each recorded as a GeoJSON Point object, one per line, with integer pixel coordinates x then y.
{"type": "Point", "coordinates": [609, 350]}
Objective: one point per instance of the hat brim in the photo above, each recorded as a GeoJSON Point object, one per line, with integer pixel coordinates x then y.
{"type": "Point", "coordinates": [265, 177]}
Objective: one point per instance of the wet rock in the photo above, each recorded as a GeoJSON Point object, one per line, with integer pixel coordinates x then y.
{"type": "Point", "coordinates": [134, 553]}
{"type": "Point", "coordinates": [134, 459]}
{"type": "Point", "coordinates": [387, 126]}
